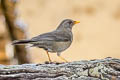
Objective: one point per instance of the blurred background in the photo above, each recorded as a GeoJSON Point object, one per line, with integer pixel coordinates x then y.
{"type": "Point", "coordinates": [96, 37]}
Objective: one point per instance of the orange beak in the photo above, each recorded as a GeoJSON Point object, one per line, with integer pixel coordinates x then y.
{"type": "Point", "coordinates": [76, 22]}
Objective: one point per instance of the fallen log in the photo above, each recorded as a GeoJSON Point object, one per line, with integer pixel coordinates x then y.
{"type": "Point", "coordinates": [98, 69]}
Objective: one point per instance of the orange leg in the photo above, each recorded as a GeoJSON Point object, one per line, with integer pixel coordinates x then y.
{"type": "Point", "coordinates": [63, 58]}
{"type": "Point", "coordinates": [48, 56]}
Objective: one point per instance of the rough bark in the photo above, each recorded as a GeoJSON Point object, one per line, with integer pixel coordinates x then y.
{"type": "Point", "coordinates": [104, 69]}
{"type": "Point", "coordinates": [15, 31]}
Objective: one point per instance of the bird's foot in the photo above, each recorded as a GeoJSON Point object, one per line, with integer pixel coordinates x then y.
{"type": "Point", "coordinates": [48, 62]}
{"type": "Point", "coordinates": [55, 62]}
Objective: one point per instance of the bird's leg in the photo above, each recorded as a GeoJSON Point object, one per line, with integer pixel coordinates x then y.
{"type": "Point", "coordinates": [48, 56]}
{"type": "Point", "coordinates": [63, 58]}
{"type": "Point", "coordinates": [58, 54]}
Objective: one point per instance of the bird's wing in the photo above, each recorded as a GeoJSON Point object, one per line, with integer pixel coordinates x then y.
{"type": "Point", "coordinates": [52, 36]}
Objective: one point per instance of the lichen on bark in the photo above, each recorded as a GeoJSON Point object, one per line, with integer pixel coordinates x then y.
{"type": "Point", "coordinates": [99, 69]}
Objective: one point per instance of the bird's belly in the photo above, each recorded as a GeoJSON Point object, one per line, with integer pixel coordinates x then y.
{"type": "Point", "coordinates": [55, 46]}
{"type": "Point", "coordinates": [60, 46]}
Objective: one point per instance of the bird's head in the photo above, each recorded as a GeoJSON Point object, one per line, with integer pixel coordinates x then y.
{"type": "Point", "coordinates": [67, 24]}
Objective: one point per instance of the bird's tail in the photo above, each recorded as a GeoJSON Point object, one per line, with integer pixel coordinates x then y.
{"type": "Point", "coordinates": [17, 42]}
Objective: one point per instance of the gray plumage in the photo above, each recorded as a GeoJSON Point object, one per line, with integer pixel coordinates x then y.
{"type": "Point", "coordinates": [55, 41]}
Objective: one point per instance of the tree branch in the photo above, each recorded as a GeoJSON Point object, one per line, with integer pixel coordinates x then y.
{"type": "Point", "coordinates": [15, 32]}
{"type": "Point", "coordinates": [104, 69]}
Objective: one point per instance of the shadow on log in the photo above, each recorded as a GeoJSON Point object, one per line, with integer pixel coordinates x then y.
{"type": "Point", "coordinates": [104, 69]}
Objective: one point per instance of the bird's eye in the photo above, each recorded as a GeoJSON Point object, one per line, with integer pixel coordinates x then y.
{"type": "Point", "coordinates": [70, 22]}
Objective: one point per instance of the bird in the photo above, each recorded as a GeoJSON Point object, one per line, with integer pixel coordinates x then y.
{"type": "Point", "coordinates": [55, 41]}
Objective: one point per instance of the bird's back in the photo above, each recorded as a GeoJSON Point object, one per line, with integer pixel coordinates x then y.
{"type": "Point", "coordinates": [56, 41]}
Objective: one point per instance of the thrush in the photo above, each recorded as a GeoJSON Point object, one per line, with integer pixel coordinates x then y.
{"type": "Point", "coordinates": [56, 41]}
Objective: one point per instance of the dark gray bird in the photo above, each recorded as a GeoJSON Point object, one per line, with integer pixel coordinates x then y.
{"type": "Point", "coordinates": [55, 41]}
